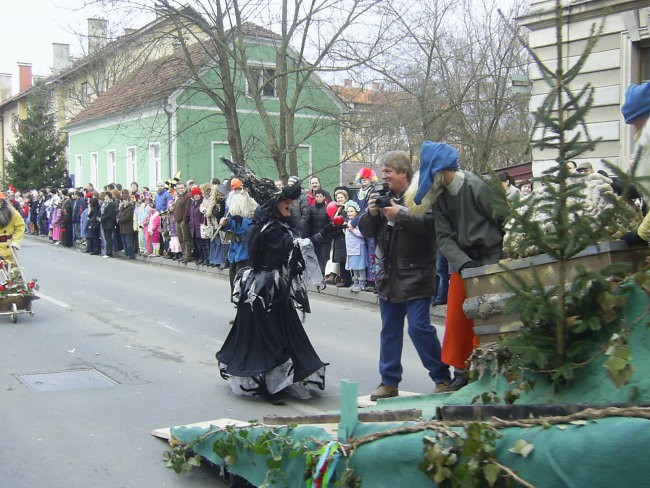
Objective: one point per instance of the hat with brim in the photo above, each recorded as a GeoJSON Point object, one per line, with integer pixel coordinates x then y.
{"type": "Point", "coordinates": [584, 166]}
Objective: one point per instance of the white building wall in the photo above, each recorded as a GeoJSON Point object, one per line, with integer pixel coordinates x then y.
{"type": "Point", "coordinates": [609, 69]}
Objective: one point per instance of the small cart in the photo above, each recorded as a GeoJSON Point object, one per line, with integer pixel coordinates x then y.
{"type": "Point", "coordinates": [16, 294]}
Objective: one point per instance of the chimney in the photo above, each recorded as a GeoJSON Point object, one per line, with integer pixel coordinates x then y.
{"type": "Point", "coordinates": [5, 86]}
{"type": "Point", "coordinates": [24, 76]}
{"type": "Point", "coordinates": [347, 82]}
{"type": "Point", "coordinates": [60, 56]}
{"type": "Point", "coordinates": [97, 34]}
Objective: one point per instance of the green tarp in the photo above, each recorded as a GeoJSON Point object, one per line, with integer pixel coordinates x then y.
{"type": "Point", "coordinates": [603, 453]}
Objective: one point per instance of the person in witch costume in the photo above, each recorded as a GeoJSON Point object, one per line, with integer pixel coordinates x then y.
{"type": "Point", "coordinates": [267, 352]}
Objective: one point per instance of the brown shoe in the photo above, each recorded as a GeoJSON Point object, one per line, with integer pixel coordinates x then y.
{"type": "Point", "coordinates": [384, 391]}
{"type": "Point", "coordinates": [442, 387]}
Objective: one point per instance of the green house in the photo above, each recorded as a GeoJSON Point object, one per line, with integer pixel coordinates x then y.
{"type": "Point", "coordinates": [158, 121]}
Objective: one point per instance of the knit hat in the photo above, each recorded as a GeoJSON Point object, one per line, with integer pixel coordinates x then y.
{"type": "Point", "coordinates": [637, 102]}
{"type": "Point", "coordinates": [195, 191]}
{"type": "Point", "coordinates": [434, 157]}
{"type": "Point", "coordinates": [352, 204]}
{"type": "Point", "coordinates": [236, 183]}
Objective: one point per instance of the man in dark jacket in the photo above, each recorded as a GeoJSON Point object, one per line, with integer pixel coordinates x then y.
{"type": "Point", "coordinates": [68, 204]}
{"type": "Point", "coordinates": [405, 280]}
{"type": "Point", "coordinates": [315, 221]}
{"type": "Point", "coordinates": [182, 221]}
{"type": "Point", "coordinates": [78, 206]}
{"type": "Point", "coordinates": [108, 214]}
{"type": "Point", "coordinates": [300, 207]}
{"type": "Point", "coordinates": [125, 222]}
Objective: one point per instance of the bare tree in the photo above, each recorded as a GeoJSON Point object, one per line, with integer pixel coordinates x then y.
{"type": "Point", "coordinates": [302, 37]}
{"type": "Point", "coordinates": [448, 68]}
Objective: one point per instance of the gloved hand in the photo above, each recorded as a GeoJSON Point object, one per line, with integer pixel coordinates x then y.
{"type": "Point", "coordinates": [331, 231]}
{"type": "Point", "coordinates": [633, 239]}
{"type": "Point", "coordinates": [470, 264]}
{"type": "Point", "coordinates": [15, 245]}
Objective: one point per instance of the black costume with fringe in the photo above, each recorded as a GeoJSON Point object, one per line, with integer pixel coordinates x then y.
{"type": "Point", "coordinates": [267, 348]}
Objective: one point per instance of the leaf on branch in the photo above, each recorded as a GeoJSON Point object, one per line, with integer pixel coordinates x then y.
{"type": "Point", "coordinates": [522, 448]}
{"type": "Point", "coordinates": [491, 472]}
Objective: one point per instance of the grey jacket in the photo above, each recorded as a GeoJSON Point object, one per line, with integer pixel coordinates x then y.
{"type": "Point", "coordinates": [466, 226]}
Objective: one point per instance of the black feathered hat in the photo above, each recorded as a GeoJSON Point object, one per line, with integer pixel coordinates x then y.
{"type": "Point", "coordinates": [262, 190]}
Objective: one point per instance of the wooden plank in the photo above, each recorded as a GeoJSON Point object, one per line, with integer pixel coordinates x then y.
{"type": "Point", "coordinates": [381, 416]}
{"type": "Point", "coordinates": [165, 432]}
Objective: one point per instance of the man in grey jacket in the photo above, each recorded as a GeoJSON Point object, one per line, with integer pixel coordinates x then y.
{"type": "Point", "coordinates": [469, 236]}
{"type": "Point", "coordinates": [405, 280]}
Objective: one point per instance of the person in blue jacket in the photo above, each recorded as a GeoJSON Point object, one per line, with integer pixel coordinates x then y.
{"type": "Point", "coordinates": [239, 214]}
{"type": "Point", "coordinates": [162, 197]}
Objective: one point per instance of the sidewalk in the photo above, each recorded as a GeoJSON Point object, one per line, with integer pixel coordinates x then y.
{"type": "Point", "coordinates": [437, 313]}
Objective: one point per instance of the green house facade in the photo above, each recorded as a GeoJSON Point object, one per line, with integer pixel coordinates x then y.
{"type": "Point", "coordinates": [157, 122]}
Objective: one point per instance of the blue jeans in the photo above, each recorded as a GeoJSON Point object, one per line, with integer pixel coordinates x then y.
{"type": "Point", "coordinates": [443, 271]}
{"type": "Point", "coordinates": [127, 239]}
{"type": "Point", "coordinates": [422, 333]}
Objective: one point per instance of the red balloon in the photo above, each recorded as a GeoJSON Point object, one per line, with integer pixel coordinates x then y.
{"type": "Point", "coordinates": [332, 207]}
{"type": "Point", "coordinates": [338, 220]}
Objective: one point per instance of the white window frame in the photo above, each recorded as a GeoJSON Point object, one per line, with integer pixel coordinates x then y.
{"type": "Point", "coordinates": [214, 157]}
{"type": "Point", "coordinates": [131, 165]}
{"type": "Point", "coordinates": [262, 67]}
{"type": "Point", "coordinates": [94, 168]}
{"type": "Point", "coordinates": [111, 166]}
{"type": "Point", "coordinates": [79, 170]}
{"type": "Point", "coordinates": [155, 165]}
{"type": "Point", "coordinates": [310, 163]}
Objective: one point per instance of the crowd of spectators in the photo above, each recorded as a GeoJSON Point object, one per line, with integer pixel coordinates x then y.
{"type": "Point", "coordinates": [192, 222]}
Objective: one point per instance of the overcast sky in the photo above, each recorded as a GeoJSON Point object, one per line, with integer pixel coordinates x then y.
{"type": "Point", "coordinates": [29, 27]}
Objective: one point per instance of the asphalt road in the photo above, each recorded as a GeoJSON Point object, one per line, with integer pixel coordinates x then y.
{"type": "Point", "coordinates": [153, 331]}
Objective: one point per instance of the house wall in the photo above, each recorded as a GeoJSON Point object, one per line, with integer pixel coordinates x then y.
{"type": "Point", "coordinates": [9, 120]}
{"type": "Point", "coordinates": [612, 66]}
{"type": "Point", "coordinates": [202, 140]}
{"type": "Point", "coordinates": [316, 128]}
{"type": "Point", "coordinates": [200, 135]}
{"type": "Point", "coordinates": [139, 132]}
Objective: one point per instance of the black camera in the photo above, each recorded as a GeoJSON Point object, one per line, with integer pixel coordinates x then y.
{"type": "Point", "coordinates": [384, 198]}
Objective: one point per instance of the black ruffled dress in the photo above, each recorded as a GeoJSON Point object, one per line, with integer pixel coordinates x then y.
{"type": "Point", "coordinates": [267, 348]}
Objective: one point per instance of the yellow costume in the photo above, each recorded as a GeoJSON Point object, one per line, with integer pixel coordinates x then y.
{"type": "Point", "coordinates": [13, 232]}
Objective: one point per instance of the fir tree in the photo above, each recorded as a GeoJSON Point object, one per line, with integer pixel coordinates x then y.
{"type": "Point", "coordinates": [563, 323]}
{"type": "Point", "coordinates": [38, 157]}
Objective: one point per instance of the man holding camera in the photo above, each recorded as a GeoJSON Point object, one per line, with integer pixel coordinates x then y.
{"type": "Point", "coordinates": [405, 281]}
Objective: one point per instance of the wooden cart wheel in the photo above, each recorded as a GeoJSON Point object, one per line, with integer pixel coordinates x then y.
{"type": "Point", "coordinates": [14, 313]}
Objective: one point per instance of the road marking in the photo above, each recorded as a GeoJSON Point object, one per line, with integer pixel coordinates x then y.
{"type": "Point", "coordinates": [53, 300]}
{"type": "Point", "coordinates": [169, 327]}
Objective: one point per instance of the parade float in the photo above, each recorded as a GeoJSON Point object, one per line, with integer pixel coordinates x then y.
{"type": "Point", "coordinates": [561, 380]}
